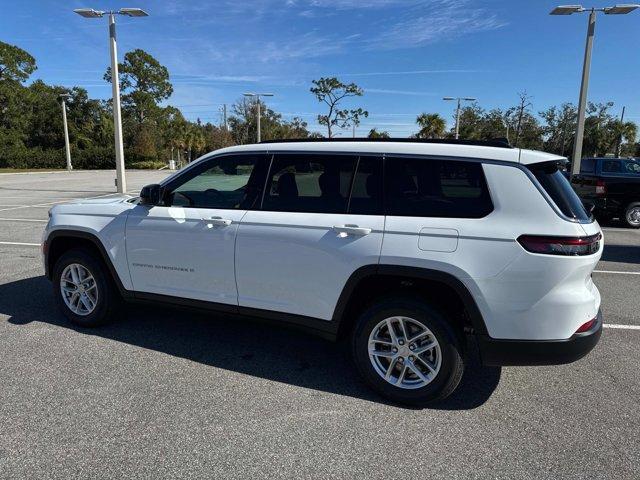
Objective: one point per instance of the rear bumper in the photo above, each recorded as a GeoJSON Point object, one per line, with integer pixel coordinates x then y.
{"type": "Point", "coordinates": [495, 352]}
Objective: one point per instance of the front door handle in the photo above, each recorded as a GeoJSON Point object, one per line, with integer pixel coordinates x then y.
{"type": "Point", "coordinates": [345, 230]}
{"type": "Point", "coordinates": [218, 222]}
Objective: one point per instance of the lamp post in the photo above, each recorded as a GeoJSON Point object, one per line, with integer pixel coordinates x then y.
{"type": "Point", "coordinates": [257, 96]}
{"type": "Point", "coordinates": [67, 148]}
{"type": "Point", "coordinates": [586, 66]}
{"type": "Point", "coordinates": [121, 182]}
{"type": "Point", "coordinates": [459, 99]}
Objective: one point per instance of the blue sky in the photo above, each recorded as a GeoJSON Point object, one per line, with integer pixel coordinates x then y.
{"type": "Point", "coordinates": [406, 54]}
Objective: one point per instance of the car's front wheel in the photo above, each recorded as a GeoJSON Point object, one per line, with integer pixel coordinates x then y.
{"type": "Point", "coordinates": [83, 289]}
{"type": "Point", "coordinates": [407, 351]}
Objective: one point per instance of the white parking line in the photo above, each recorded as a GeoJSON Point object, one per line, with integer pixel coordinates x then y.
{"type": "Point", "coordinates": [2, 219]}
{"type": "Point", "coordinates": [47, 204]}
{"type": "Point", "coordinates": [616, 272]}
{"type": "Point", "coordinates": [614, 229]}
{"type": "Point", "coordinates": [622, 327]}
{"type": "Point", "coordinates": [23, 244]}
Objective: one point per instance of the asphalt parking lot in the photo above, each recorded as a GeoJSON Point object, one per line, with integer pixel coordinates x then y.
{"type": "Point", "coordinates": [164, 393]}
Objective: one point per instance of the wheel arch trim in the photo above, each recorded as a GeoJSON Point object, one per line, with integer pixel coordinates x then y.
{"type": "Point", "coordinates": [368, 271]}
{"type": "Point", "coordinates": [91, 237]}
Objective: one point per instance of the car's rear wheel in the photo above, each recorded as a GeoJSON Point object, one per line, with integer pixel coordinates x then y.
{"type": "Point", "coordinates": [83, 290]}
{"type": "Point", "coordinates": [632, 215]}
{"type": "Point", "coordinates": [407, 351]}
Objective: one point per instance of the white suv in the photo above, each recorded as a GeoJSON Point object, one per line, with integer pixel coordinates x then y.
{"type": "Point", "coordinates": [405, 248]}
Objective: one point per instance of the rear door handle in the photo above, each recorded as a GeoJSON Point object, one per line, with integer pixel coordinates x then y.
{"type": "Point", "coordinates": [351, 230]}
{"type": "Point", "coordinates": [218, 222]}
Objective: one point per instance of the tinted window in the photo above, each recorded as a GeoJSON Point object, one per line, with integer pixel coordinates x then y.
{"type": "Point", "coordinates": [366, 193]}
{"type": "Point", "coordinates": [588, 165]}
{"type": "Point", "coordinates": [631, 167]}
{"type": "Point", "coordinates": [436, 188]}
{"type": "Point", "coordinates": [309, 183]}
{"type": "Point", "coordinates": [559, 189]}
{"type": "Point", "coordinates": [230, 182]}
{"type": "Point", "coordinates": [611, 166]}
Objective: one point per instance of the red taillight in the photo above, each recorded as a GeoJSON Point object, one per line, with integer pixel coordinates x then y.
{"type": "Point", "coordinates": [570, 246]}
{"type": "Point", "coordinates": [601, 188]}
{"type": "Point", "coordinates": [586, 326]}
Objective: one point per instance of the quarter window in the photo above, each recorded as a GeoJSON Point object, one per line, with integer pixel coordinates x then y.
{"type": "Point", "coordinates": [225, 182]}
{"type": "Point", "coordinates": [309, 183]}
{"type": "Point", "coordinates": [419, 187]}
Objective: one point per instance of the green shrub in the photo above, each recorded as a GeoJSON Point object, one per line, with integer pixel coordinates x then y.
{"type": "Point", "coordinates": [146, 165]}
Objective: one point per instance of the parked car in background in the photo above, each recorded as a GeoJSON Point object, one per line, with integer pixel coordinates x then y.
{"type": "Point", "coordinates": [613, 186]}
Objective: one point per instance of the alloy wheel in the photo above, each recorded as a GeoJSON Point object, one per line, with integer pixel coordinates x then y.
{"type": "Point", "coordinates": [404, 352]}
{"type": "Point", "coordinates": [79, 289]}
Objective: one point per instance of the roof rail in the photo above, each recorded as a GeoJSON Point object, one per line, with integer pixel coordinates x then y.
{"type": "Point", "coordinates": [497, 142]}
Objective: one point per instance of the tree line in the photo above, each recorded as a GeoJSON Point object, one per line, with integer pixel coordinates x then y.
{"type": "Point", "coordinates": [31, 130]}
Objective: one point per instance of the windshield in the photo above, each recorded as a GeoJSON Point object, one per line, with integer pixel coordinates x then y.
{"type": "Point", "coordinates": [559, 189]}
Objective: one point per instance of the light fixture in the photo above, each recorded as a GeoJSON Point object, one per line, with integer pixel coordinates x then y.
{"type": "Point", "coordinates": [622, 9]}
{"type": "Point", "coordinates": [89, 12]}
{"type": "Point", "coordinates": [133, 12]}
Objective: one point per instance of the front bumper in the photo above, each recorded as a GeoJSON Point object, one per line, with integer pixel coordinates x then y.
{"type": "Point", "coordinates": [497, 352]}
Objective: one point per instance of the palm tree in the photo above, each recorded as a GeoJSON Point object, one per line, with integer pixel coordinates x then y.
{"type": "Point", "coordinates": [432, 125]}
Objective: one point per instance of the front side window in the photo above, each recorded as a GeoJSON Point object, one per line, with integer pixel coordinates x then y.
{"type": "Point", "coordinates": [312, 183]}
{"type": "Point", "coordinates": [225, 182]}
{"type": "Point", "coordinates": [419, 187]}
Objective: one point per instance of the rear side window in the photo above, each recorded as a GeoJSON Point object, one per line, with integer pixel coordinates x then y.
{"type": "Point", "coordinates": [588, 165]}
{"type": "Point", "coordinates": [559, 189]}
{"type": "Point", "coordinates": [366, 193]}
{"type": "Point", "coordinates": [611, 166]}
{"type": "Point", "coordinates": [420, 187]}
{"type": "Point", "coordinates": [309, 183]}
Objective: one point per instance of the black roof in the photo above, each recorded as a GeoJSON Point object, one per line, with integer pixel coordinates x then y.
{"type": "Point", "coordinates": [498, 142]}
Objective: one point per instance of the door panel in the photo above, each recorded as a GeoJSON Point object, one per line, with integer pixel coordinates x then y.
{"type": "Point", "coordinates": [297, 256]}
{"type": "Point", "coordinates": [186, 246]}
{"type": "Point", "coordinates": [183, 252]}
{"type": "Point", "coordinates": [298, 263]}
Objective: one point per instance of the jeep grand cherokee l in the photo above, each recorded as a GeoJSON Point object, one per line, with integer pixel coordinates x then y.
{"type": "Point", "coordinates": [403, 248]}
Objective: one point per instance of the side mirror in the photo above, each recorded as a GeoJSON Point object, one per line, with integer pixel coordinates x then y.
{"type": "Point", "coordinates": [151, 194]}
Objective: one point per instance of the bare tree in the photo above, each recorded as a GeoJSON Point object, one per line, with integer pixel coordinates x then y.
{"type": "Point", "coordinates": [332, 91]}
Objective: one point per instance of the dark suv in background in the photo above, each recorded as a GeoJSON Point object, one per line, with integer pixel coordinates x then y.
{"type": "Point", "coordinates": [613, 186]}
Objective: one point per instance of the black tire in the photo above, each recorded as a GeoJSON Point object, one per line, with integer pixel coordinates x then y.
{"type": "Point", "coordinates": [452, 363]}
{"type": "Point", "coordinates": [627, 215]}
{"type": "Point", "coordinates": [108, 299]}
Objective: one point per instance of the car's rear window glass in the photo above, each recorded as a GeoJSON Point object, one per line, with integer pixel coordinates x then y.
{"type": "Point", "coordinates": [588, 165]}
{"type": "Point", "coordinates": [422, 187]}
{"type": "Point", "coordinates": [611, 166]}
{"type": "Point", "coordinates": [309, 183]}
{"type": "Point", "coordinates": [366, 193]}
{"type": "Point", "coordinates": [559, 189]}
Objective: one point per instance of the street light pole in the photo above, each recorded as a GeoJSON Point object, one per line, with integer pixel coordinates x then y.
{"type": "Point", "coordinates": [121, 182]}
{"type": "Point", "coordinates": [586, 67]}
{"type": "Point", "coordinates": [582, 101]}
{"type": "Point", "coordinates": [257, 96]}
{"type": "Point", "coordinates": [66, 131]}
{"type": "Point", "coordinates": [459, 99]}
